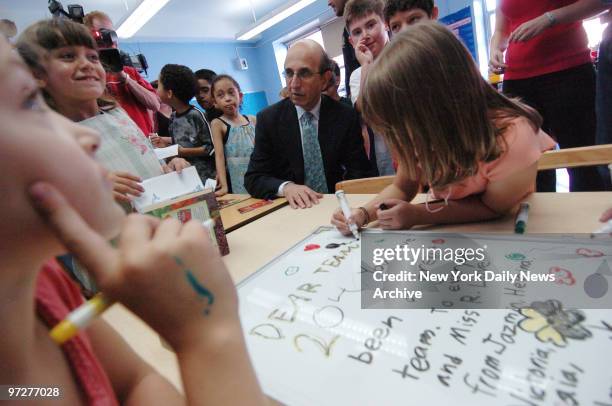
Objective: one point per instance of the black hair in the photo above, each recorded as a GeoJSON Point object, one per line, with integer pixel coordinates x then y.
{"type": "Point", "coordinates": [205, 74]}
{"type": "Point", "coordinates": [335, 68]}
{"type": "Point", "coordinates": [326, 62]}
{"type": "Point", "coordinates": [395, 6]}
{"type": "Point", "coordinates": [180, 79]}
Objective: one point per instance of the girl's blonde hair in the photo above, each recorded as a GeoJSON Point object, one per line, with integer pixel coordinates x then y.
{"type": "Point", "coordinates": [36, 42]}
{"type": "Point", "coordinates": [425, 95]}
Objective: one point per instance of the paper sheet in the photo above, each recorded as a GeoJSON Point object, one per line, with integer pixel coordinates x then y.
{"type": "Point", "coordinates": [169, 186]}
{"type": "Point", "coordinates": [168, 152]}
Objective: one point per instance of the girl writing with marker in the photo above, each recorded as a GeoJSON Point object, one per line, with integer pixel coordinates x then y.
{"type": "Point", "coordinates": [60, 201]}
{"type": "Point", "coordinates": [475, 148]}
{"type": "Point", "coordinates": [235, 132]}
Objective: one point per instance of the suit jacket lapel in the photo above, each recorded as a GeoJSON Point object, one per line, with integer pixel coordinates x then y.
{"type": "Point", "coordinates": [290, 131]}
{"type": "Point", "coordinates": [325, 135]}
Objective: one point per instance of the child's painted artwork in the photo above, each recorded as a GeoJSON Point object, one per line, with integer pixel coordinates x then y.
{"type": "Point", "coordinates": [312, 344]}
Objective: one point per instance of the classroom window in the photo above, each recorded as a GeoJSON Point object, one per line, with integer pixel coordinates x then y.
{"type": "Point", "coordinates": [328, 35]}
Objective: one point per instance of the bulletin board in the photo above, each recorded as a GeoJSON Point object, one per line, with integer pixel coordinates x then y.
{"type": "Point", "coordinates": [461, 23]}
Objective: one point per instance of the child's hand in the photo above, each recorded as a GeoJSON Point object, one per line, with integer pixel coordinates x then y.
{"type": "Point", "coordinates": [168, 273]}
{"type": "Point", "coordinates": [176, 164]}
{"type": "Point", "coordinates": [160, 142]}
{"type": "Point", "coordinates": [221, 191]}
{"type": "Point", "coordinates": [399, 215]}
{"type": "Point", "coordinates": [341, 223]}
{"type": "Point", "coordinates": [125, 185]}
{"type": "Point", "coordinates": [363, 53]}
{"type": "Point", "coordinates": [607, 215]}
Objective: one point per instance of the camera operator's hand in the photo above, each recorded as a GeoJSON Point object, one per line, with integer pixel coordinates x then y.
{"type": "Point", "coordinates": [122, 76]}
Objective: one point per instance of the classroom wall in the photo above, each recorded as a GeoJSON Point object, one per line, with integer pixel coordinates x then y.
{"type": "Point", "coordinates": [263, 74]}
{"type": "Point", "coordinates": [271, 83]}
{"type": "Point", "coordinates": [220, 57]}
{"type": "Point", "coordinates": [450, 6]}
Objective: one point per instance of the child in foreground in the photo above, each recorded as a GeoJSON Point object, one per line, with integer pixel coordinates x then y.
{"type": "Point", "coordinates": [234, 132]}
{"type": "Point", "coordinates": [62, 201]}
{"type": "Point", "coordinates": [474, 147]}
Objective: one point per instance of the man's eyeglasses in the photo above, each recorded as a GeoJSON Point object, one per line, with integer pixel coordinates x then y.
{"type": "Point", "coordinates": [303, 74]}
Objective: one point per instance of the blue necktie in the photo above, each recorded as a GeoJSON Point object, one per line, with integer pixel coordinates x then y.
{"type": "Point", "coordinates": [314, 172]}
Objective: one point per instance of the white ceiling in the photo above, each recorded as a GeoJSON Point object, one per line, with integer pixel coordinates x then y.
{"type": "Point", "coordinates": [178, 21]}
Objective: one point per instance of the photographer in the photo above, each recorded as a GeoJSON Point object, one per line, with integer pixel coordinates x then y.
{"type": "Point", "coordinates": [135, 95]}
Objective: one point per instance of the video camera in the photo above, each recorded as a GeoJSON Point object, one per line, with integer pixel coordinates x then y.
{"type": "Point", "coordinates": [112, 58]}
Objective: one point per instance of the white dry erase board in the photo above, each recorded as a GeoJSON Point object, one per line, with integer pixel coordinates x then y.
{"type": "Point", "coordinates": [312, 344]}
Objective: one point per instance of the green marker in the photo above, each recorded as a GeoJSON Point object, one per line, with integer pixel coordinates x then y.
{"type": "Point", "coordinates": [520, 223]}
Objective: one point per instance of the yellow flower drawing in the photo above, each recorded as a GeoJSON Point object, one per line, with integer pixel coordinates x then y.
{"type": "Point", "coordinates": [551, 323]}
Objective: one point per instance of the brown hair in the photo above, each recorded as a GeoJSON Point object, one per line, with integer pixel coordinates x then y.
{"type": "Point", "coordinates": [92, 15]}
{"type": "Point", "coordinates": [221, 77]}
{"type": "Point", "coordinates": [426, 96]}
{"type": "Point", "coordinates": [38, 39]}
{"type": "Point", "coordinates": [360, 8]}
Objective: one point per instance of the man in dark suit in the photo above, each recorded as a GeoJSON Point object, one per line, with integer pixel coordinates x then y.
{"type": "Point", "coordinates": [306, 143]}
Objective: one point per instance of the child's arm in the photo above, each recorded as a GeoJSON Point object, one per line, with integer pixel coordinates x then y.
{"type": "Point", "coordinates": [134, 381]}
{"type": "Point", "coordinates": [200, 126]}
{"type": "Point", "coordinates": [500, 197]}
{"type": "Point", "coordinates": [218, 132]}
{"type": "Point", "coordinates": [403, 188]}
{"type": "Point", "coordinates": [196, 312]}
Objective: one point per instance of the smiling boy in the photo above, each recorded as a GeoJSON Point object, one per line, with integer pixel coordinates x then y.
{"type": "Point", "coordinates": [368, 35]}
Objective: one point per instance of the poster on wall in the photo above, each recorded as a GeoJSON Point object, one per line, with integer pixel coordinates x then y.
{"type": "Point", "coordinates": [461, 23]}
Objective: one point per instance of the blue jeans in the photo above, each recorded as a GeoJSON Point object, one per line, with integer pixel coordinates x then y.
{"type": "Point", "coordinates": [603, 98]}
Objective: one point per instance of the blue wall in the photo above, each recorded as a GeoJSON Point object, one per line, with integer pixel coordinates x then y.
{"type": "Point", "coordinates": [262, 74]}
{"type": "Point", "coordinates": [220, 57]}
{"type": "Point", "coordinates": [272, 81]}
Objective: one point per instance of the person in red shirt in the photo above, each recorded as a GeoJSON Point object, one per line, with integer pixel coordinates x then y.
{"type": "Point", "coordinates": [134, 94]}
{"type": "Point", "coordinates": [548, 65]}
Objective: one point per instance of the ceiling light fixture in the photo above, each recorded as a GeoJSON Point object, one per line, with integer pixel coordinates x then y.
{"type": "Point", "coordinates": [273, 18]}
{"type": "Point", "coordinates": [143, 13]}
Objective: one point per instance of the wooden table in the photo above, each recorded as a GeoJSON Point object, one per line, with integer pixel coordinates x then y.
{"type": "Point", "coordinates": [232, 216]}
{"type": "Point", "coordinates": [257, 243]}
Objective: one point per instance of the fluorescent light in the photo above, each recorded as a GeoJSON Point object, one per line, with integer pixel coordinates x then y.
{"type": "Point", "coordinates": [140, 16]}
{"type": "Point", "coordinates": [272, 19]}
